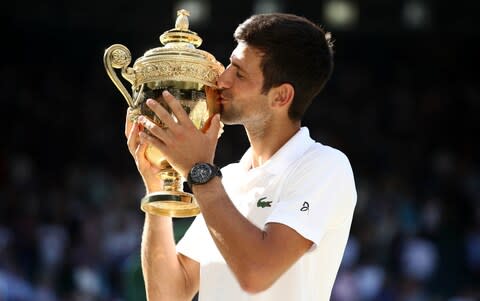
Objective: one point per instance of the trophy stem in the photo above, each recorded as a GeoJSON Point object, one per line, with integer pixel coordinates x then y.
{"type": "Point", "coordinates": [172, 200]}
{"type": "Point", "coordinates": [171, 179]}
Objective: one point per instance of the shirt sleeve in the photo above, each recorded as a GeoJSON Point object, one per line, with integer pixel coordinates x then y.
{"type": "Point", "coordinates": [318, 194]}
{"type": "Point", "coordinates": [187, 244]}
{"type": "Point", "coordinates": [197, 244]}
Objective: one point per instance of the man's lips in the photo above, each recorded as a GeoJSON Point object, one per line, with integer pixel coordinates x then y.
{"type": "Point", "coordinates": [221, 100]}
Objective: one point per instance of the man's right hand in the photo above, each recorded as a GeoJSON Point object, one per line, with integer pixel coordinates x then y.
{"type": "Point", "coordinates": [137, 149]}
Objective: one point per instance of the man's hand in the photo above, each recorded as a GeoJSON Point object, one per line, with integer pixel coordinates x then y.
{"type": "Point", "coordinates": [179, 140]}
{"type": "Point", "coordinates": [137, 149]}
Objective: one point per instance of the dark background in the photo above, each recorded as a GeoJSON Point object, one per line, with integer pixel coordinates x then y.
{"type": "Point", "coordinates": [402, 104]}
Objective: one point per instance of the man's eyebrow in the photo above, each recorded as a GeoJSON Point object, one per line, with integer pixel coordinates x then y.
{"type": "Point", "coordinates": [236, 65]}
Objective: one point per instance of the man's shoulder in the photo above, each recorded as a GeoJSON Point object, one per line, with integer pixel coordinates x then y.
{"type": "Point", "coordinates": [325, 154]}
{"type": "Point", "coordinates": [317, 151]}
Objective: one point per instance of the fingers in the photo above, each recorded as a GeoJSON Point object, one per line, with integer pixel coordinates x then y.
{"type": "Point", "coordinates": [138, 146]}
{"type": "Point", "coordinates": [161, 113]}
{"type": "Point", "coordinates": [150, 140]}
{"type": "Point", "coordinates": [212, 95]}
{"type": "Point", "coordinates": [179, 117]}
{"type": "Point", "coordinates": [207, 124]}
{"type": "Point", "coordinates": [132, 137]}
{"type": "Point", "coordinates": [176, 107]}
{"type": "Point", "coordinates": [172, 130]}
{"type": "Point", "coordinates": [171, 126]}
{"type": "Point", "coordinates": [155, 132]}
{"type": "Point", "coordinates": [139, 154]}
{"type": "Point", "coordinates": [214, 131]}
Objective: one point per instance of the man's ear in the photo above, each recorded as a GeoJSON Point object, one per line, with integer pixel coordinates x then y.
{"type": "Point", "coordinates": [283, 95]}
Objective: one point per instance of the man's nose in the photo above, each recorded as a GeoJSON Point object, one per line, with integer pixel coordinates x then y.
{"type": "Point", "coordinates": [224, 81]}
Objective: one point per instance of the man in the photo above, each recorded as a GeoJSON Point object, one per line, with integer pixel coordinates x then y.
{"type": "Point", "coordinates": [275, 226]}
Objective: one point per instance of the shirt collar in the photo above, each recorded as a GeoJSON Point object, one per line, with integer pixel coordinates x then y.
{"type": "Point", "coordinates": [286, 155]}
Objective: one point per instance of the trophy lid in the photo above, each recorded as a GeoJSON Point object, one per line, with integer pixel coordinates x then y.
{"type": "Point", "coordinates": [181, 33]}
{"type": "Point", "coordinates": [179, 59]}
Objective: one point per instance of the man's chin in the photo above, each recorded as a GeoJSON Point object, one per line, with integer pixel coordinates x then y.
{"type": "Point", "coordinates": [225, 119]}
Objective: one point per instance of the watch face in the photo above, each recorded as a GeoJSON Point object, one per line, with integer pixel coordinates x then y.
{"type": "Point", "coordinates": [201, 173]}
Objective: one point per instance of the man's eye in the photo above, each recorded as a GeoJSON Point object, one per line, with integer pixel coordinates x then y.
{"type": "Point", "coordinates": [239, 75]}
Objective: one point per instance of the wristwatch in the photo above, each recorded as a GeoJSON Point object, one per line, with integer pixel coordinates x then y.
{"type": "Point", "coordinates": [201, 173]}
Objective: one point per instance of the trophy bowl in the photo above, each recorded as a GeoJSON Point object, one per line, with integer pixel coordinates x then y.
{"type": "Point", "coordinates": [188, 73]}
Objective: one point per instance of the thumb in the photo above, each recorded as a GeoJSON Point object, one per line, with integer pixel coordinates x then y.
{"type": "Point", "coordinates": [213, 131]}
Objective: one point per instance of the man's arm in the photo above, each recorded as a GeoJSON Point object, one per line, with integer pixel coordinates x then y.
{"type": "Point", "coordinates": [167, 275]}
{"type": "Point", "coordinates": [257, 257]}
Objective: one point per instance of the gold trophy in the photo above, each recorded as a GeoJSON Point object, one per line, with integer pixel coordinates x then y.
{"type": "Point", "coordinates": [189, 74]}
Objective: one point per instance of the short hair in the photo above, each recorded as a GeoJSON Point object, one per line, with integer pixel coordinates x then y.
{"type": "Point", "coordinates": [294, 50]}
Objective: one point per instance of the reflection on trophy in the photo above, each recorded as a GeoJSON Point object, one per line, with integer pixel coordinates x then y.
{"type": "Point", "coordinates": [190, 75]}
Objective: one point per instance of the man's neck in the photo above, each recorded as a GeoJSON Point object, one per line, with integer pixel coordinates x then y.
{"type": "Point", "coordinates": [267, 141]}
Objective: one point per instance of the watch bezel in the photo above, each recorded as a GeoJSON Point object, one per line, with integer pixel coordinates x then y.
{"type": "Point", "coordinates": [202, 173]}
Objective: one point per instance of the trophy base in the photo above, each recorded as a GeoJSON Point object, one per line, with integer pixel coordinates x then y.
{"type": "Point", "coordinates": [170, 203]}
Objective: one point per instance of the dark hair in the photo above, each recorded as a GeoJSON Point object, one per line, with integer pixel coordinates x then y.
{"type": "Point", "coordinates": [295, 50]}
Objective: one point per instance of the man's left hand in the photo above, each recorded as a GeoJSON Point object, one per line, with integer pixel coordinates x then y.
{"type": "Point", "coordinates": [179, 140]}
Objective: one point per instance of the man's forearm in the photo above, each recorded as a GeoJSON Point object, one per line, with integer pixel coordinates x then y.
{"type": "Point", "coordinates": [164, 276]}
{"type": "Point", "coordinates": [240, 242]}
{"type": "Point", "coordinates": [257, 257]}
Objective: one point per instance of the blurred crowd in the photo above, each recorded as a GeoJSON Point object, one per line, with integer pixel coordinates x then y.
{"type": "Point", "coordinates": [404, 111]}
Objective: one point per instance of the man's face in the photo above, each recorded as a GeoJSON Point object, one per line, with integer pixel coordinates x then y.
{"type": "Point", "coordinates": [241, 85]}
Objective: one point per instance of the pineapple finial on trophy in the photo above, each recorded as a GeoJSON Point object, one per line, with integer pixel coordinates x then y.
{"type": "Point", "coordinates": [181, 35]}
{"type": "Point", "coordinates": [182, 20]}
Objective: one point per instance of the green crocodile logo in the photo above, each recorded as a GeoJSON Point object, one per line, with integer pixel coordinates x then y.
{"type": "Point", "coordinates": [262, 204]}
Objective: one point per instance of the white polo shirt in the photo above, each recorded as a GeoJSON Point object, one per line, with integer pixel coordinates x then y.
{"type": "Point", "coordinates": [306, 186]}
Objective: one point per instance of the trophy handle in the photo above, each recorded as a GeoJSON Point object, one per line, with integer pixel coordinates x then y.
{"type": "Point", "coordinates": [118, 56]}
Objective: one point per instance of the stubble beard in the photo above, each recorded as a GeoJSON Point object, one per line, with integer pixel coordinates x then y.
{"type": "Point", "coordinates": [229, 117]}
{"type": "Point", "coordinates": [236, 114]}
{"type": "Point", "coordinates": [255, 123]}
